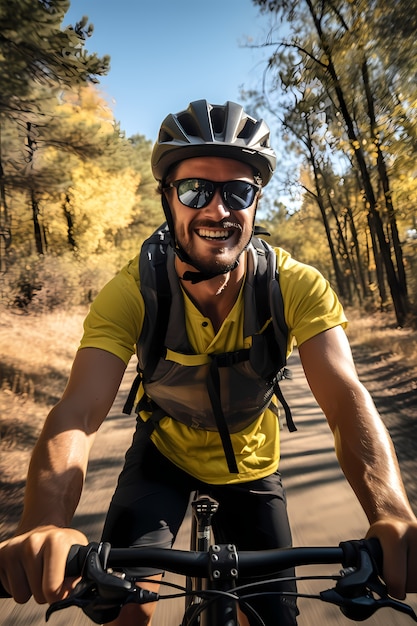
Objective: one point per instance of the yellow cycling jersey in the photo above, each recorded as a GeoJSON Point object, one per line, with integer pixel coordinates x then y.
{"type": "Point", "coordinates": [114, 324]}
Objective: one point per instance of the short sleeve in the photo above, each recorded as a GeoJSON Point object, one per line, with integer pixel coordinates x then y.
{"type": "Point", "coordinates": [310, 304]}
{"type": "Point", "coordinates": [116, 316]}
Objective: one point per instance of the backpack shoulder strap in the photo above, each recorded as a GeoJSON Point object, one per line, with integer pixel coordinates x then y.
{"type": "Point", "coordinates": [164, 298]}
{"type": "Point", "coordinates": [153, 256]}
{"type": "Point", "coordinates": [269, 300]}
{"type": "Point", "coordinates": [269, 303]}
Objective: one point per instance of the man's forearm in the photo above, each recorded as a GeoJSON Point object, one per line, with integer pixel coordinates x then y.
{"type": "Point", "coordinates": [368, 459]}
{"type": "Point", "coordinates": [56, 475]}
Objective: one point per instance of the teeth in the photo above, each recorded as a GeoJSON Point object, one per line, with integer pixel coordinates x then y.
{"type": "Point", "coordinates": [213, 234]}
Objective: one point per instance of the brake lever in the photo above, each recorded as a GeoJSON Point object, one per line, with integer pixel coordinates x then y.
{"type": "Point", "coordinates": [354, 591]}
{"type": "Point", "coordinates": [101, 594]}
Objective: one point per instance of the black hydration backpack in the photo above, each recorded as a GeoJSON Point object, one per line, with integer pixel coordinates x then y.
{"type": "Point", "coordinates": [222, 403]}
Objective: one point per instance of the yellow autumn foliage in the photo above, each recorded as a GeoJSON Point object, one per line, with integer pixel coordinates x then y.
{"type": "Point", "coordinates": [101, 205]}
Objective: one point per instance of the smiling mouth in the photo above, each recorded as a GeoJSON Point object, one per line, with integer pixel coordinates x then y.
{"type": "Point", "coordinates": [218, 234]}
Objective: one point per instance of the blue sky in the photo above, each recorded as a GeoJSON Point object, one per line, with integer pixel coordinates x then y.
{"type": "Point", "coordinates": [166, 53]}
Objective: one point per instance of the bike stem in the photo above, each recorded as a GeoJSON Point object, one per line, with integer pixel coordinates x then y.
{"type": "Point", "coordinates": [204, 508]}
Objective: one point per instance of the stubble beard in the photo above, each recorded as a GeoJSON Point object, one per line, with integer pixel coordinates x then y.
{"type": "Point", "coordinates": [215, 264]}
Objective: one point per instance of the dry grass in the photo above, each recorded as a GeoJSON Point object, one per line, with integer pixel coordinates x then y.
{"type": "Point", "coordinates": [386, 360]}
{"type": "Point", "coordinates": [31, 340]}
{"type": "Point", "coordinates": [379, 334]}
{"type": "Point", "coordinates": [36, 353]}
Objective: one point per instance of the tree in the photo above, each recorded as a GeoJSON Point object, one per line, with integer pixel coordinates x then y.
{"type": "Point", "coordinates": [329, 54]}
{"type": "Point", "coordinates": [149, 201]}
{"type": "Point", "coordinates": [38, 55]}
{"type": "Point", "coordinates": [36, 49]}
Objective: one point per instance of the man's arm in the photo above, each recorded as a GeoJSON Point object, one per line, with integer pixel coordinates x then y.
{"type": "Point", "coordinates": [365, 453]}
{"type": "Point", "coordinates": [34, 561]}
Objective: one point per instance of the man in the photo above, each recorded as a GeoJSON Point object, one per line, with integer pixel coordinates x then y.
{"type": "Point", "coordinates": [211, 163]}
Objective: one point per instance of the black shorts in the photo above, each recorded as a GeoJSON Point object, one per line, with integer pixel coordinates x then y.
{"type": "Point", "coordinates": [151, 500]}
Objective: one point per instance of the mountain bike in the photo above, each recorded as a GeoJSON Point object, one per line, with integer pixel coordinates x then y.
{"type": "Point", "coordinates": [212, 591]}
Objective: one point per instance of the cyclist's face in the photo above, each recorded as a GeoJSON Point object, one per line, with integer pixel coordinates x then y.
{"type": "Point", "coordinates": [214, 235]}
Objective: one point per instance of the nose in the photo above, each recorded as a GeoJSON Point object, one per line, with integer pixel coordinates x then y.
{"type": "Point", "coordinates": [217, 207]}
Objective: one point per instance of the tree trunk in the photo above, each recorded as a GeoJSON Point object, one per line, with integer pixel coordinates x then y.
{"type": "Point", "coordinates": [38, 228]}
{"type": "Point", "coordinates": [5, 225]}
{"type": "Point", "coordinates": [379, 268]}
{"type": "Point", "coordinates": [357, 256]}
{"type": "Point", "coordinates": [345, 252]}
{"type": "Point", "coordinates": [400, 311]}
{"type": "Point", "coordinates": [318, 197]}
{"type": "Point", "coordinates": [384, 179]}
{"type": "Point", "coordinates": [70, 222]}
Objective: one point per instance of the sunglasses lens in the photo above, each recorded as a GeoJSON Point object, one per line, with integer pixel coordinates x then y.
{"type": "Point", "coordinates": [195, 193]}
{"type": "Point", "coordinates": [238, 194]}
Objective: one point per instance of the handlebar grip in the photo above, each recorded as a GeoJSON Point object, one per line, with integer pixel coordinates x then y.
{"type": "Point", "coordinates": [375, 550]}
{"type": "Point", "coordinates": [78, 555]}
{"type": "Point", "coordinates": [76, 559]}
{"type": "Point", "coordinates": [371, 545]}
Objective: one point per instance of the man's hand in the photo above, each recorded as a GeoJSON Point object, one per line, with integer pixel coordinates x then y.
{"type": "Point", "coordinates": [34, 563]}
{"type": "Point", "coordinates": [398, 539]}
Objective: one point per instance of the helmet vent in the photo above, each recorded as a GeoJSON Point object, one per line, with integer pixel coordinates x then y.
{"type": "Point", "coordinates": [164, 136]}
{"type": "Point", "coordinates": [217, 120]}
{"type": "Point", "coordinates": [247, 130]}
{"type": "Point", "coordinates": [189, 125]}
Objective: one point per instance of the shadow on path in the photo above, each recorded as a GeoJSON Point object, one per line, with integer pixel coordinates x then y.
{"type": "Point", "coordinates": [322, 507]}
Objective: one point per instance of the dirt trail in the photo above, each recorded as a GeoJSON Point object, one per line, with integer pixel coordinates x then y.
{"type": "Point", "coordinates": [322, 507]}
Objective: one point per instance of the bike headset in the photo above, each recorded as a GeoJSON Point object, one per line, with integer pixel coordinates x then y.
{"type": "Point", "coordinates": [204, 129]}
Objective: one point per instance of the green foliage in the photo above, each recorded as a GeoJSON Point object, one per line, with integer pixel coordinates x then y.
{"type": "Point", "coordinates": [35, 49]}
{"type": "Point", "coordinates": [300, 233]}
{"type": "Point", "coordinates": [149, 213]}
{"type": "Point", "coordinates": [75, 193]}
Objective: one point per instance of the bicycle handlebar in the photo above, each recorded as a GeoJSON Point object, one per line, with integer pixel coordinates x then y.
{"type": "Point", "coordinates": [195, 564]}
{"type": "Point", "coordinates": [101, 594]}
{"type": "Point", "coordinates": [251, 564]}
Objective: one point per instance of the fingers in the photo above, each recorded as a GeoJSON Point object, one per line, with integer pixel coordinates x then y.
{"type": "Point", "coordinates": [412, 560]}
{"type": "Point", "coordinates": [12, 572]}
{"type": "Point", "coordinates": [55, 553]}
{"type": "Point", "coordinates": [14, 580]}
{"type": "Point", "coordinates": [39, 561]}
{"type": "Point", "coordinates": [34, 563]}
{"type": "Point", "coordinates": [399, 545]}
{"type": "Point", "coordinates": [394, 557]}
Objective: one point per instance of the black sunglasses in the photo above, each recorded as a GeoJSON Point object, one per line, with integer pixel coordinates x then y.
{"type": "Point", "coordinates": [196, 193]}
